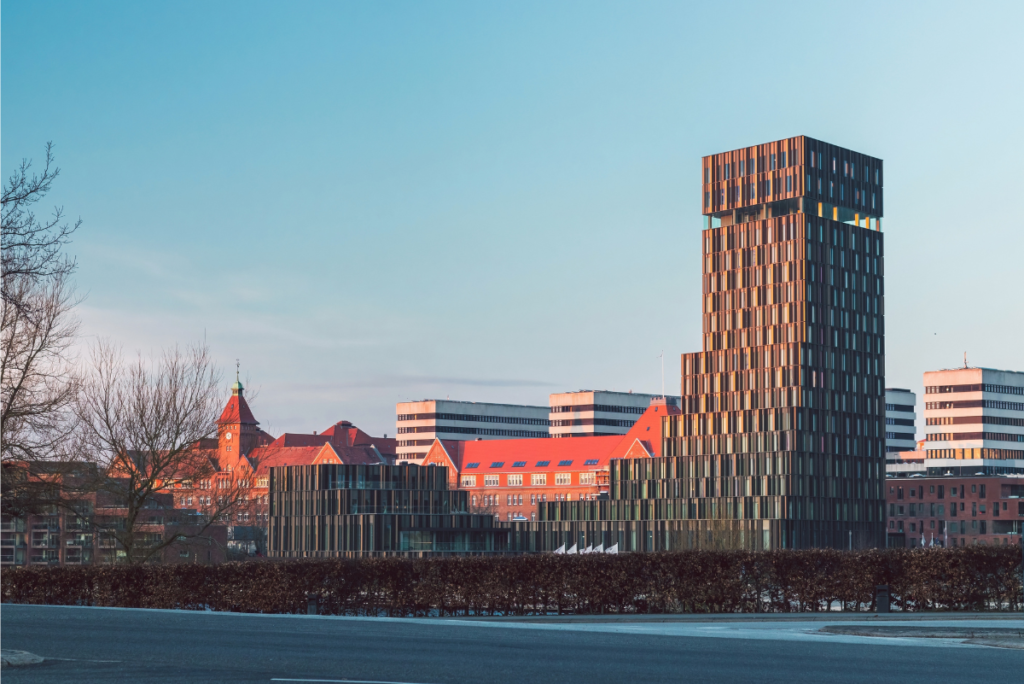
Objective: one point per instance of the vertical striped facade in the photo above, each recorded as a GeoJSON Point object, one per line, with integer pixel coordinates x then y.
{"type": "Point", "coordinates": [783, 411]}
{"type": "Point", "coordinates": [781, 438]}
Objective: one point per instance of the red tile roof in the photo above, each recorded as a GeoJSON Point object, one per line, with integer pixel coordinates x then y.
{"type": "Point", "coordinates": [531, 452]}
{"type": "Point", "coordinates": [276, 456]}
{"type": "Point", "coordinates": [296, 439]}
{"type": "Point", "coordinates": [237, 411]}
{"type": "Point", "coordinates": [340, 435]}
{"type": "Point", "coordinates": [576, 450]}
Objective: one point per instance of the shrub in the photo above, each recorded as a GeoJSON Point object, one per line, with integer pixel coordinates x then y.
{"type": "Point", "coordinates": [702, 581]}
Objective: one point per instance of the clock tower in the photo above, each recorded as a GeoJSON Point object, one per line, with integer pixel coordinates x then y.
{"type": "Point", "coordinates": [237, 429]}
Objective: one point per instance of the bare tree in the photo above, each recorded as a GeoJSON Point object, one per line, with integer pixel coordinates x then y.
{"type": "Point", "coordinates": [143, 424]}
{"type": "Point", "coordinates": [32, 248]}
{"type": "Point", "coordinates": [38, 378]}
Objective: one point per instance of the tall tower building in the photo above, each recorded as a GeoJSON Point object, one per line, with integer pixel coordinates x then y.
{"type": "Point", "coordinates": [780, 438]}
{"type": "Point", "coordinates": [783, 411]}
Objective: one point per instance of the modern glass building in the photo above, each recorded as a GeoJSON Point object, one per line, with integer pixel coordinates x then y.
{"type": "Point", "coordinates": [781, 440]}
{"type": "Point", "coordinates": [357, 510]}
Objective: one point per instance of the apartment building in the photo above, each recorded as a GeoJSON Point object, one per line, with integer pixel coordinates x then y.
{"type": "Point", "coordinates": [589, 413]}
{"type": "Point", "coordinates": [974, 413]}
{"type": "Point", "coordinates": [80, 529]}
{"type": "Point", "coordinates": [942, 510]}
{"type": "Point", "coordinates": [419, 423]}
{"type": "Point", "coordinates": [900, 416]}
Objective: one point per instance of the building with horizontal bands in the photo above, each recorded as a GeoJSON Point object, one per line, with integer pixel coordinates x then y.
{"type": "Point", "coordinates": [974, 413]}
{"type": "Point", "coordinates": [589, 413]}
{"type": "Point", "coordinates": [419, 423]}
{"type": "Point", "coordinates": [900, 417]}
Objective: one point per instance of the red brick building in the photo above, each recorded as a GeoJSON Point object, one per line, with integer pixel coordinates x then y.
{"type": "Point", "coordinates": [509, 478]}
{"type": "Point", "coordinates": [80, 530]}
{"type": "Point", "coordinates": [242, 454]}
{"type": "Point", "coordinates": [954, 511]}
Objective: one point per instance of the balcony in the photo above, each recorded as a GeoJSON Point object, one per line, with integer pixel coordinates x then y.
{"type": "Point", "coordinates": [9, 556]}
{"type": "Point", "coordinates": [79, 540]}
{"type": "Point", "coordinates": [12, 525]}
{"type": "Point", "coordinates": [45, 558]}
{"type": "Point", "coordinates": [48, 541]}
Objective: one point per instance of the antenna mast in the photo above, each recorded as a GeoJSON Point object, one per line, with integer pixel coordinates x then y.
{"type": "Point", "coordinates": [662, 355]}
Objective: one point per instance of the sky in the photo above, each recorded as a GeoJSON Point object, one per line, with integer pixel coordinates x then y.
{"type": "Point", "coordinates": [367, 203]}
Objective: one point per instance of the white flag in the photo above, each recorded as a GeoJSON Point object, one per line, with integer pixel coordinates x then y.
{"type": "Point", "coordinates": [589, 549]}
{"type": "Point", "coordinates": [560, 549]}
{"type": "Point", "coordinates": [572, 549]}
{"type": "Point", "coordinates": [614, 548]}
{"type": "Point", "coordinates": [599, 548]}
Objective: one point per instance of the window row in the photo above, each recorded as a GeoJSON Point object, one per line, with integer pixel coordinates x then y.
{"type": "Point", "coordinates": [536, 480]}
{"type": "Point", "coordinates": [983, 403]}
{"type": "Point", "coordinates": [472, 419]}
{"type": "Point", "coordinates": [995, 389]}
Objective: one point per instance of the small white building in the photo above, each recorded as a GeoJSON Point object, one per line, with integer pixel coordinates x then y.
{"type": "Point", "coordinates": [419, 423]}
{"type": "Point", "coordinates": [589, 413]}
{"type": "Point", "coordinates": [900, 417]}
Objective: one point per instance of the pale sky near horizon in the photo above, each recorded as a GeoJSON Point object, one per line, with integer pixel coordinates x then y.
{"type": "Point", "coordinates": [383, 201]}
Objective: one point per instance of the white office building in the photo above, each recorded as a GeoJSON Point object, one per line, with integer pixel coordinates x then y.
{"type": "Point", "coordinates": [974, 413]}
{"type": "Point", "coordinates": [419, 423]}
{"type": "Point", "coordinates": [589, 413]}
{"type": "Point", "coordinates": [900, 415]}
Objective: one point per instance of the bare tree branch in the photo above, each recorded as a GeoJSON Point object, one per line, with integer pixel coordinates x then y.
{"type": "Point", "coordinates": [38, 378]}
{"type": "Point", "coordinates": [32, 248]}
{"type": "Point", "coordinates": [143, 424]}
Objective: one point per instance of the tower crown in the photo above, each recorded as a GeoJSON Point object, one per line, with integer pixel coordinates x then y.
{"type": "Point", "coordinates": [793, 175]}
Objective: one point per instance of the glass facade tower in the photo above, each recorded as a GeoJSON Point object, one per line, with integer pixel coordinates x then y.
{"type": "Point", "coordinates": [781, 438]}
{"type": "Point", "coordinates": [783, 419]}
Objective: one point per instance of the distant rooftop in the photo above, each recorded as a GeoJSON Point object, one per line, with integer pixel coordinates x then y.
{"type": "Point", "coordinates": [473, 403]}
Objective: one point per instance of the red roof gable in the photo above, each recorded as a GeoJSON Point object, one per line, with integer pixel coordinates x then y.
{"type": "Point", "coordinates": [647, 429]}
{"type": "Point", "coordinates": [274, 456]}
{"type": "Point", "coordinates": [297, 439]}
{"type": "Point", "coordinates": [237, 411]}
{"type": "Point", "coordinates": [340, 435]}
{"type": "Point", "coordinates": [574, 450]}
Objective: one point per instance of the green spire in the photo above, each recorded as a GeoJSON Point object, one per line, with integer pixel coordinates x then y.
{"type": "Point", "coordinates": [237, 388]}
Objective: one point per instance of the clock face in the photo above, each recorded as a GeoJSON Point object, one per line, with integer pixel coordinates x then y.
{"type": "Point", "coordinates": [227, 435]}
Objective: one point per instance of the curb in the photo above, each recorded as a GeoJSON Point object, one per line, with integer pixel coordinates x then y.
{"type": "Point", "coordinates": [999, 637]}
{"type": "Point", "coordinates": [18, 658]}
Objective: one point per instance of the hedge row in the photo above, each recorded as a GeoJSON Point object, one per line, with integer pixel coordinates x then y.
{"type": "Point", "coordinates": [972, 578]}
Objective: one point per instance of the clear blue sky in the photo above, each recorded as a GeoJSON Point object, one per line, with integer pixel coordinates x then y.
{"type": "Point", "coordinates": [374, 202]}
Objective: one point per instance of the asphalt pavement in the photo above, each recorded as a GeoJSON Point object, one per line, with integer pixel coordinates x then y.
{"type": "Point", "coordinates": [108, 645]}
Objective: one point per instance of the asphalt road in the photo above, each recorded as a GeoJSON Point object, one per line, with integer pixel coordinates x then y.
{"type": "Point", "coordinates": [104, 645]}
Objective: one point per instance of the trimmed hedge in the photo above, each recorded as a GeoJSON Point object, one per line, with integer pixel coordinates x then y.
{"type": "Point", "coordinates": [971, 578]}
